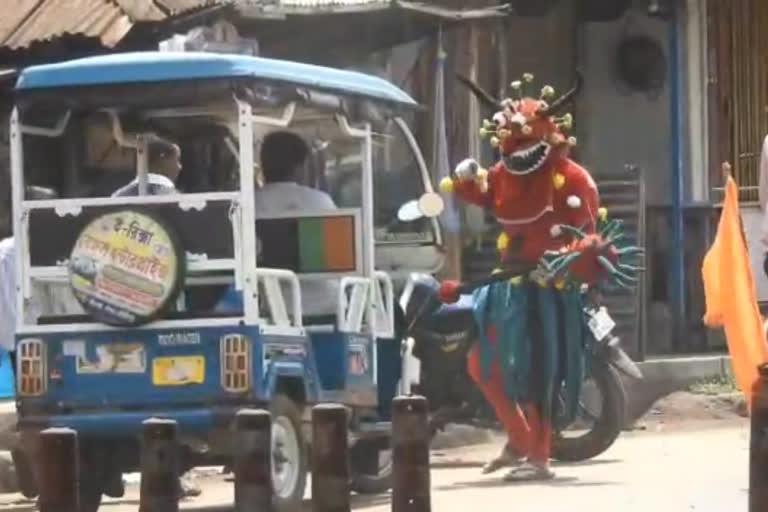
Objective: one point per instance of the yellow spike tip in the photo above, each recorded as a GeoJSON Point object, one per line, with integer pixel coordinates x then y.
{"type": "Point", "coordinates": [502, 242]}
{"type": "Point", "coordinates": [558, 180]}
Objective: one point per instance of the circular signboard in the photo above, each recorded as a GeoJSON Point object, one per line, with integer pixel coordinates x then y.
{"type": "Point", "coordinates": [126, 268]}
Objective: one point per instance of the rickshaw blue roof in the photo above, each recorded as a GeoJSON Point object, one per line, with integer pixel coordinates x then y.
{"type": "Point", "coordinates": [139, 67]}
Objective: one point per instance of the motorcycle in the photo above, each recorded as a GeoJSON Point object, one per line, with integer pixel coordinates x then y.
{"type": "Point", "coordinates": [438, 338]}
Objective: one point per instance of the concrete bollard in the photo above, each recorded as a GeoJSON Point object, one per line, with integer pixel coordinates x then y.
{"type": "Point", "coordinates": [410, 451]}
{"type": "Point", "coordinates": [252, 461]}
{"type": "Point", "coordinates": [758, 444]}
{"type": "Point", "coordinates": [59, 476]}
{"type": "Point", "coordinates": [159, 466]}
{"type": "Point", "coordinates": [330, 459]}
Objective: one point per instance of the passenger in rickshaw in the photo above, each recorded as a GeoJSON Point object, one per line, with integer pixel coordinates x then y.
{"type": "Point", "coordinates": [164, 168]}
{"type": "Point", "coordinates": [283, 156]}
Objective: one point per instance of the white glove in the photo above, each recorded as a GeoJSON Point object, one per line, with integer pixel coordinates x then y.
{"type": "Point", "coordinates": [467, 169]}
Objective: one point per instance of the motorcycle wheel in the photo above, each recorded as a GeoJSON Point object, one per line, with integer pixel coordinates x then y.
{"type": "Point", "coordinates": [606, 427]}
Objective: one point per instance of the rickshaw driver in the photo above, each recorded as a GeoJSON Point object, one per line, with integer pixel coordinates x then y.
{"type": "Point", "coordinates": [164, 169]}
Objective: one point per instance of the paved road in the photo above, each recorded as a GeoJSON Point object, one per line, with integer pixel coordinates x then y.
{"type": "Point", "coordinates": [701, 470]}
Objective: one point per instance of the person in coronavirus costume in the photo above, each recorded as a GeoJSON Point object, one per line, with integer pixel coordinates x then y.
{"type": "Point", "coordinates": [532, 326]}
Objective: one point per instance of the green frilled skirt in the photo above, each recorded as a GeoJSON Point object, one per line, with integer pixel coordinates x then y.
{"type": "Point", "coordinates": [540, 343]}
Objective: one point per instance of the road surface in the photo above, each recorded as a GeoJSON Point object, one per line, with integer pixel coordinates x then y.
{"type": "Point", "coordinates": [702, 469]}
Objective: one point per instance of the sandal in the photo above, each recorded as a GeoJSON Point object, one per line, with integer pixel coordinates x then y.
{"type": "Point", "coordinates": [505, 459]}
{"type": "Point", "coordinates": [530, 472]}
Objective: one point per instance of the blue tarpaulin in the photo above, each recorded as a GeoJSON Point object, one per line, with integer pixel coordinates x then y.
{"type": "Point", "coordinates": [6, 376]}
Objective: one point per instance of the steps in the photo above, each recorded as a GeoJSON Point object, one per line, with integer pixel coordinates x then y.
{"type": "Point", "coordinates": [625, 200]}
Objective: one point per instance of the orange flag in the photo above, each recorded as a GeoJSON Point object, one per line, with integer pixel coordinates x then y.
{"type": "Point", "coordinates": [730, 295]}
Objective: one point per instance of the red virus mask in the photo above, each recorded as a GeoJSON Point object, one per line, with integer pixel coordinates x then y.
{"type": "Point", "coordinates": [527, 130]}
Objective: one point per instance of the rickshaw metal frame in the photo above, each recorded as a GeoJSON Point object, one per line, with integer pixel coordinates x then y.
{"type": "Point", "coordinates": [243, 207]}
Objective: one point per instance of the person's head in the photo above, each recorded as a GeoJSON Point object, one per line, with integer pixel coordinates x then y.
{"type": "Point", "coordinates": [165, 159]}
{"type": "Point", "coordinates": [282, 156]}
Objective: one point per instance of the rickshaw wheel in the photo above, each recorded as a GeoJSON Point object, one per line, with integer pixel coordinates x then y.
{"type": "Point", "coordinates": [289, 455]}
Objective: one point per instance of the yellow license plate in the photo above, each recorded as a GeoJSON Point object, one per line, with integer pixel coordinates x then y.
{"type": "Point", "coordinates": [178, 371]}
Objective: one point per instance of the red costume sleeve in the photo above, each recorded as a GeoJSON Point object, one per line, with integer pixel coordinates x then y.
{"type": "Point", "coordinates": [578, 183]}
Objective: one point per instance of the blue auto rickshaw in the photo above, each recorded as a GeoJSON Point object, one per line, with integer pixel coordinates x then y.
{"type": "Point", "coordinates": [150, 272]}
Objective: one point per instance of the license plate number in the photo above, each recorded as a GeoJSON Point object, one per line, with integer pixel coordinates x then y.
{"type": "Point", "coordinates": [601, 324]}
{"type": "Point", "coordinates": [178, 371]}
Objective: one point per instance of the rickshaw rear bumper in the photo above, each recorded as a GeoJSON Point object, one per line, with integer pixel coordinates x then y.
{"type": "Point", "coordinates": [129, 423]}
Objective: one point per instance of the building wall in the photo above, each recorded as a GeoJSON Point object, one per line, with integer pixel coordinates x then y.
{"type": "Point", "coordinates": [616, 126]}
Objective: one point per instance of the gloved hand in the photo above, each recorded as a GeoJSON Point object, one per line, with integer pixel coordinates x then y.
{"type": "Point", "coordinates": [449, 292]}
{"type": "Point", "coordinates": [467, 169]}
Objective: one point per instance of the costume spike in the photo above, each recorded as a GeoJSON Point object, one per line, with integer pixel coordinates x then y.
{"type": "Point", "coordinates": [606, 263]}
{"type": "Point", "coordinates": [563, 265]}
{"type": "Point", "coordinates": [565, 123]}
{"type": "Point", "coordinates": [630, 251]}
{"type": "Point", "coordinates": [555, 261]}
{"type": "Point", "coordinates": [613, 240]}
{"type": "Point", "coordinates": [610, 227]}
{"type": "Point", "coordinates": [517, 86]}
{"type": "Point", "coordinates": [527, 81]}
{"type": "Point", "coordinates": [630, 268]}
{"type": "Point", "coordinates": [558, 180]}
{"type": "Point", "coordinates": [622, 284]}
{"type": "Point", "coordinates": [610, 267]}
{"type": "Point", "coordinates": [576, 232]}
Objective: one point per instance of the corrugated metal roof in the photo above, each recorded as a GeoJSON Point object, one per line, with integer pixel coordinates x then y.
{"type": "Point", "coordinates": [107, 20]}
{"type": "Point", "coordinates": [174, 7]}
{"type": "Point", "coordinates": [323, 3]}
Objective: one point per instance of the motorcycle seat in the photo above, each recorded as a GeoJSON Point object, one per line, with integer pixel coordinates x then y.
{"type": "Point", "coordinates": [463, 306]}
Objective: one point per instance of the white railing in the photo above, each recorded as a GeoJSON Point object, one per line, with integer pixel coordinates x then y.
{"type": "Point", "coordinates": [384, 306]}
{"type": "Point", "coordinates": [352, 310]}
{"type": "Point", "coordinates": [281, 321]}
{"type": "Point", "coordinates": [366, 306]}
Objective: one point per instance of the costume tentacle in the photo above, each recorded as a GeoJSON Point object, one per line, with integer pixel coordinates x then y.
{"type": "Point", "coordinates": [615, 272]}
{"type": "Point", "coordinates": [576, 232]}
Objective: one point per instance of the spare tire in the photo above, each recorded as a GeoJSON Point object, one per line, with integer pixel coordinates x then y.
{"type": "Point", "coordinates": [127, 268]}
